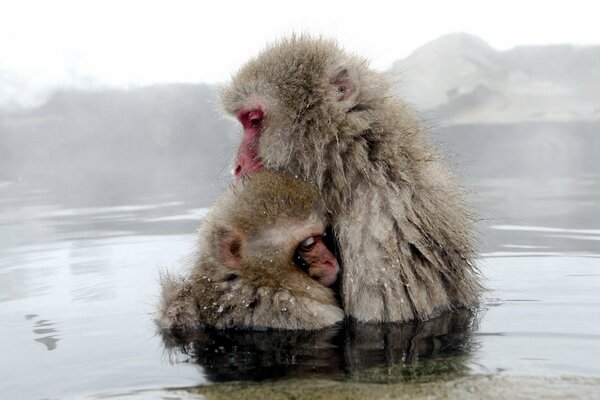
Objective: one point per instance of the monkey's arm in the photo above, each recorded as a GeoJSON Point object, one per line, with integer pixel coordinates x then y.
{"type": "Point", "coordinates": [284, 309]}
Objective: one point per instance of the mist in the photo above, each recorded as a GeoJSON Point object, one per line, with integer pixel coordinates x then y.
{"type": "Point", "coordinates": [113, 144]}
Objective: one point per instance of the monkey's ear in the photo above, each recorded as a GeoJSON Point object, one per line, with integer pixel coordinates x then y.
{"type": "Point", "coordinates": [344, 88]}
{"type": "Point", "coordinates": [229, 247]}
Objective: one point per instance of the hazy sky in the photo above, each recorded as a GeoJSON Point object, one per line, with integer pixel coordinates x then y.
{"type": "Point", "coordinates": [149, 41]}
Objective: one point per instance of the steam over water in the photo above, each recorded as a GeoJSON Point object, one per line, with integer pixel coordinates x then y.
{"type": "Point", "coordinates": [81, 245]}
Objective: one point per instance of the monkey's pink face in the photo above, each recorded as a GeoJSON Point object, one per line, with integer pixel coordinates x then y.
{"type": "Point", "coordinates": [248, 160]}
{"type": "Point", "coordinates": [292, 100]}
{"type": "Point", "coordinates": [264, 115]}
{"type": "Point", "coordinates": [310, 252]}
{"type": "Point", "coordinates": [322, 265]}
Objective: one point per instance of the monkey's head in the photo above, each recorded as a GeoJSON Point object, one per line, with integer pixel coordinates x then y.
{"type": "Point", "coordinates": [296, 100]}
{"type": "Point", "coordinates": [269, 225]}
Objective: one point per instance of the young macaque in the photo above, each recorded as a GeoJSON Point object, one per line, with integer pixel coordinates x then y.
{"type": "Point", "coordinates": [404, 232]}
{"type": "Point", "coordinates": [261, 262]}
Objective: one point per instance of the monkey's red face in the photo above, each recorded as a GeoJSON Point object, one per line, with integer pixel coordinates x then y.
{"type": "Point", "coordinates": [295, 101]}
{"type": "Point", "coordinates": [322, 265]}
{"type": "Point", "coordinates": [248, 160]}
{"type": "Point", "coordinates": [277, 131]}
{"type": "Point", "coordinates": [302, 240]}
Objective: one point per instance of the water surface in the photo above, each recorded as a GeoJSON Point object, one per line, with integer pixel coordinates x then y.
{"type": "Point", "coordinates": [79, 272]}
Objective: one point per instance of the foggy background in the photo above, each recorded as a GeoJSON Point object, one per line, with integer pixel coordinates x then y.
{"type": "Point", "coordinates": [112, 103]}
{"type": "Point", "coordinates": [109, 143]}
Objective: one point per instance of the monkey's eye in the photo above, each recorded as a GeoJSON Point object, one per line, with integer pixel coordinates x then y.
{"type": "Point", "coordinates": [308, 244]}
{"type": "Point", "coordinates": [254, 120]}
{"type": "Point", "coordinates": [251, 119]}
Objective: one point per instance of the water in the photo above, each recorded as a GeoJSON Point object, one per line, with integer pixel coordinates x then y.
{"type": "Point", "coordinates": [79, 282]}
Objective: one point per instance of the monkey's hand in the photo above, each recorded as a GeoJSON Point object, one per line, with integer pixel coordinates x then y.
{"type": "Point", "coordinates": [178, 310]}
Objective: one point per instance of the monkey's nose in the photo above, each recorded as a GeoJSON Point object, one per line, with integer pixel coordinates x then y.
{"type": "Point", "coordinates": [237, 171]}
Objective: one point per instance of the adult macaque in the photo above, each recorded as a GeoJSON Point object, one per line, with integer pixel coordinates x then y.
{"type": "Point", "coordinates": [247, 273]}
{"type": "Point", "coordinates": [312, 110]}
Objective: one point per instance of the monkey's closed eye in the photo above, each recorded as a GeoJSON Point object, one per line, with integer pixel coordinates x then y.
{"type": "Point", "coordinates": [251, 119]}
{"type": "Point", "coordinates": [254, 122]}
{"type": "Point", "coordinates": [308, 244]}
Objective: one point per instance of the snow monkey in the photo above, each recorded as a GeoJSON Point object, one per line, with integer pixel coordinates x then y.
{"type": "Point", "coordinates": [261, 262]}
{"type": "Point", "coordinates": [310, 109]}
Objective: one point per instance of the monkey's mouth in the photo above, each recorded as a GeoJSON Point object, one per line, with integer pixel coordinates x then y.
{"type": "Point", "coordinates": [254, 165]}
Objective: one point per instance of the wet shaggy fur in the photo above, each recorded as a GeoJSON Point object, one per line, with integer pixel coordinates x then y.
{"type": "Point", "coordinates": [400, 220]}
{"type": "Point", "coordinates": [269, 291]}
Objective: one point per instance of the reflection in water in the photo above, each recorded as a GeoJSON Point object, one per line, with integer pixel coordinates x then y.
{"type": "Point", "coordinates": [45, 329]}
{"type": "Point", "coordinates": [356, 351]}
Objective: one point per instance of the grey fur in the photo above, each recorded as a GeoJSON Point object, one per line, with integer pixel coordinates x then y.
{"type": "Point", "coordinates": [400, 219]}
{"type": "Point", "coordinates": [269, 291]}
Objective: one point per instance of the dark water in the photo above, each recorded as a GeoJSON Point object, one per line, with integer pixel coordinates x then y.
{"type": "Point", "coordinates": [79, 281]}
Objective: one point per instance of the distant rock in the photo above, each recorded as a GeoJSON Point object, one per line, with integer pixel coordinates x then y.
{"type": "Point", "coordinates": [458, 78]}
{"type": "Point", "coordinates": [455, 79]}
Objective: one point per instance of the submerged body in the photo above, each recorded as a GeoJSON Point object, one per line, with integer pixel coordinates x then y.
{"type": "Point", "coordinates": [404, 232]}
